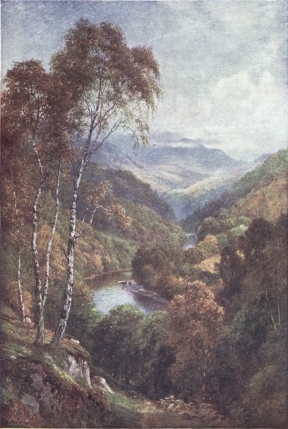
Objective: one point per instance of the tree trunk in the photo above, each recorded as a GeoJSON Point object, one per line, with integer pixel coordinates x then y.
{"type": "Point", "coordinates": [20, 293]}
{"type": "Point", "coordinates": [19, 285]}
{"type": "Point", "coordinates": [50, 242]}
{"type": "Point", "coordinates": [61, 328]}
{"type": "Point", "coordinates": [43, 293]}
{"type": "Point", "coordinates": [279, 313]}
{"type": "Point", "coordinates": [38, 288]}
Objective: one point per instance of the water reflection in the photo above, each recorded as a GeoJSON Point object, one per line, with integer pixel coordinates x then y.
{"type": "Point", "coordinates": [191, 241]}
{"type": "Point", "coordinates": [110, 294]}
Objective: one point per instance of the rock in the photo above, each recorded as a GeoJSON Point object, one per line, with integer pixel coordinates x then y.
{"type": "Point", "coordinates": [30, 402]}
{"type": "Point", "coordinates": [78, 369]}
{"type": "Point", "coordinates": [102, 384]}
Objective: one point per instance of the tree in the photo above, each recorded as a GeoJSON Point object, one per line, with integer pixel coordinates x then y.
{"type": "Point", "coordinates": [265, 250]}
{"type": "Point", "coordinates": [36, 127]}
{"type": "Point", "coordinates": [232, 271]}
{"type": "Point", "coordinates": [112, 86]}
{"type": "Point", "coordinates": [194, 324]}
{"type": "Point", "coordinates": [14, 201]}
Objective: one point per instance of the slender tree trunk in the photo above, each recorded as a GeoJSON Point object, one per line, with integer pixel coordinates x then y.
{"type": "Point", "coordinates": [41, 324]}
{"type": "Point", "coordinates": [270, 309]}
{"type": "Point", "coordinates": [20, 292]}
{"type": "Point", "coordinates": [51, 238]}
{"type": "Point", "coordinates": [19, 285]}
{"type": "Point", "coordinates": [38, 287]}
{"type": "Point", "coordinates": [279, 313]}
{"type": "Point", "coordinates": [60, 331]}
{"type": "Point", "coordinates": [61, 328]}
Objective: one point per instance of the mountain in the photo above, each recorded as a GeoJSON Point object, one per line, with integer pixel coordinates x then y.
{"type": "Point", "coordinates": [126, 185]}
{"type": "Point", "coordinates": [173, 168]}
{"type": "Point", "coordinates": [263, 158]}
{"type": "Point", "coordinates": [261, 192]}
{"type": "Point", "coordinates": [177, 157]}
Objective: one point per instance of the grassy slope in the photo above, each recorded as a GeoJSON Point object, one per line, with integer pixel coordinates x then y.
{"type": "Point", "coordinates": [36, 390]}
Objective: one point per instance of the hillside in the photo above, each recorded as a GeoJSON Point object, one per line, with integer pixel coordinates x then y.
{"type": "Point", "coordinates": [126, 185]}
{"type": "Point", "coordinates": [59, 387]}
{"type": "Point", "coordinates": [260, 193]}
{"type": "Point", "coordinates": [172, 168]}
{"type": "Point", "coordinates": [240, 263]}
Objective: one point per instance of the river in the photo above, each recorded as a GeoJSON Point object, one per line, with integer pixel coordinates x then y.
{"type": "Point", "coordinates": [110, 294]}
{"type": "Point", "coordinates": [191, 241]}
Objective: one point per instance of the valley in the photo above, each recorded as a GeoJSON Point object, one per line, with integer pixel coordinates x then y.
{"type": "Point", "coordinates": [144, 269]}
{"type": "Point", "coordinates": [185, 173]}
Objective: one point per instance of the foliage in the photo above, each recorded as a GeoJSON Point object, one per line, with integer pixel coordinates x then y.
{"type": "Point", "coordinates": [125, 185]}
{"type": "Point", "coordinates": [260, 192]}
{"type": "Point", "coordinates": [133, 348]}
{"type": "Point", "coordinates": [255, 297]}
{"type": "Point", "coordinates": [194, 325]}
{"type": "Point", "coordinates": [156, 268]}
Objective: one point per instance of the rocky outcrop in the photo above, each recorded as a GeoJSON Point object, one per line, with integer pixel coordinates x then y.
{"type": "Point", "coordinates": [102, 384]}
{"type": "Point", "coordinates": [78, 368]}
{"type": "Point", "coordinates": [44, 396]}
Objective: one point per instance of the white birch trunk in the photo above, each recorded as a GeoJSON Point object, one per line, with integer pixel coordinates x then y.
{"type": "Point", "coordinates": [20, 292]}
{"type": "Point", "coordinates": [38, 287]}
{"type": "Point", "coordinates": [41, 325]}
{"type": "Point", "coordinates": [19, 285]}
{"type": "Point", "coordinates": [61, 328]}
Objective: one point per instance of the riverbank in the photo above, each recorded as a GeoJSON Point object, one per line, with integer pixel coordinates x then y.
{"type": "Point", "coordinates": [107, 273]}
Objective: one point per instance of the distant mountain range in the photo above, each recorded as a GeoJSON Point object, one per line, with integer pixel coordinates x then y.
{"type": "Point", "coordinates": [185, 172]}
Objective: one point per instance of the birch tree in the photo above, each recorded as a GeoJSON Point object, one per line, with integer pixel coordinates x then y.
{"type": "Point", "coordinates": [112, 86]}
{"type": "Point", "coordinates": [31, 117]}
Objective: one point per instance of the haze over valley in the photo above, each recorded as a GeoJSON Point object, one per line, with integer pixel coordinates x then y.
{"type": "Point", "coordinates": [184, 172]}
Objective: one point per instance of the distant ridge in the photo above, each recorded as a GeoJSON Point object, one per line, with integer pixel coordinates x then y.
{"type": "Point", "coordinates": [262, 192]}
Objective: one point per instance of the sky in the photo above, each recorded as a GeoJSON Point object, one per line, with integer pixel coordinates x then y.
{"type": "Point", "coordinates": [223, 63]}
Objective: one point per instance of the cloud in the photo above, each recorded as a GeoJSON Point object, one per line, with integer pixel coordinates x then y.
{"type": "Point", "coordinates": [223, 63]}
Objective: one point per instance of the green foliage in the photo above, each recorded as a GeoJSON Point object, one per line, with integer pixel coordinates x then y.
{"type": "Point", "coordinates": [255, 298]}
{"type": "Point", "coordinates": [113, 338]}
{"type": "Point", "coordinates": [193, 256]}
{"type": "Point", "coordinates": [156, 268]}
{"type": "Point", "coordinates": [258, 194]}
{"type": "Point", "coordinates": [194, 325]}
{"type": "Point", "coordinates": [222, 240]}
{"type": "Point", "coordinates": [134, 349]}
{"type": "Point", "coordinates": [209, 246]}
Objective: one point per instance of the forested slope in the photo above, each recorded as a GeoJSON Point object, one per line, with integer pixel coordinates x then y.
{"type": "Point", "coordinates": [227, 320]}
{"type": "Point", "coordinates": [261, 192]}
{"type": "Point", "coordinates": [126, 185]}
